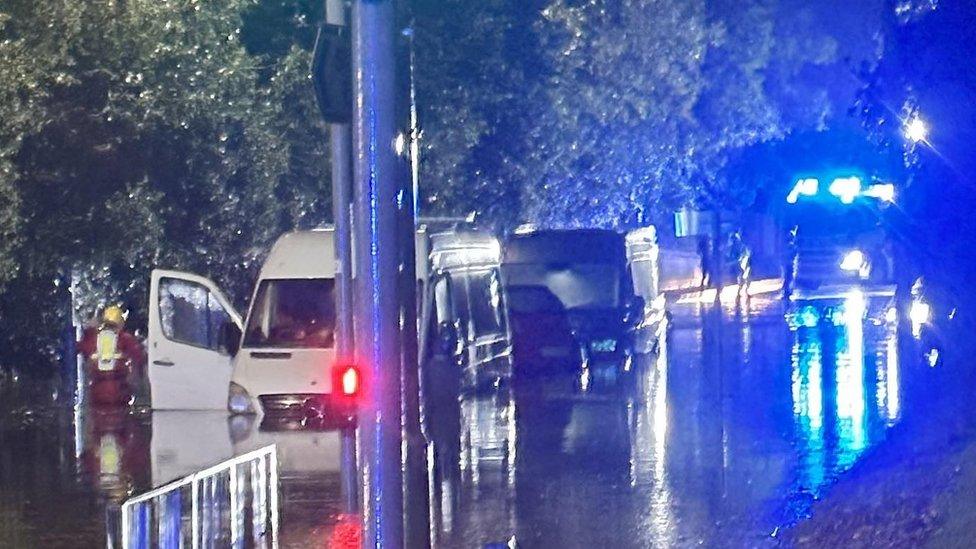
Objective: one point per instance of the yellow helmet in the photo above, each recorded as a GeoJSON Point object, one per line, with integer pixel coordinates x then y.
{"type": "Point", "coordinates": [113, 315]}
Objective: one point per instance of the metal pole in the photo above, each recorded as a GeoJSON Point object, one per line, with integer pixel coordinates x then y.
{"type": "Point", "coordinates": [718, 254]}
{"type": "Point", "coordinates": [415, 495]}
{"type": "Point", "coordinates": [414, 129]}
{"type": "Point", "coordinates": [375, 168]}
{"type": "Point", "coordinates": [341, 145]}
{"type": "Point", "coordinates": [416, 527]}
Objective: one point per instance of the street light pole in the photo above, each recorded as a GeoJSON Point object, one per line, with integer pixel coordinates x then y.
{"type": "Point", "coordinates": [340, 137]}
{"type": "Point", "coordinates": [415, 471]}
{"type": "Point", "coordinates": [377, 322]}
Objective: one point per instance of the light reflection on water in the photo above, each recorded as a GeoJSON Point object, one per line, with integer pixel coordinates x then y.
{"type": "Point", "coordinates": [808, 406]}
{"type": "Point", "coordinates": [735, 428]}
{"type": "Point", "coordinates": [840, 407]}
{"type": "Point", "coordinates": [63, 470]}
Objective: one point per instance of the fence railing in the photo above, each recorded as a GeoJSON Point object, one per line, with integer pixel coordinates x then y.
{"type": "Point", "coordinates": [232, 504]}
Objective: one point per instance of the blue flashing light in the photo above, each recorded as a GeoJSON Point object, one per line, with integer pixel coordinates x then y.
{"type": "Point", "coordinates": [804, 187]}
{"type": "Point", "coordinates": [846, 188]}
{"type": "Point", "coordinates": [884, 192]}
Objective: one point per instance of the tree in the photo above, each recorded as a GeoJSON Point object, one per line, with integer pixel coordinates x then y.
{"type": "Point", "coordinates": [654, 98]}
{"type": "Point", "coordinates": [474, 67]}
{"type": "Point", "coordinates": [24, 67]}
{"type": "Point", "coordinates": [610, 113]}
{"type": "Point", "coordinates": [148, 136]}
{"type": "Point", "coordinates": [617, 110]}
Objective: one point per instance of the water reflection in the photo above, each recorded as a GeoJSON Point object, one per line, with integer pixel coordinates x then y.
{"type": "Point", "coordinates": [808, 406]}
{"type": "Point", "coordinates": [64, 469]}
{"type": "Point", "coordinates": [231, 504]}
{"type": "Point", "coordinates": [309, 488]}
{"type": "Point", "coordinates": [735, 426]}
{"type": "Point", "coordinates": [840, 406]}
{"type": "Point", "coordinates": [58, 475]}
{"type": "Point", "coordinates": [850, 382]}
{"type": "Point", "coordinates": [115, 453]}
{"type": "Point", "coordinates": [649, 447]}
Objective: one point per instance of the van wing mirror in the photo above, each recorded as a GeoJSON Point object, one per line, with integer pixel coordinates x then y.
{"type": "Point", "coordinates": [447, 338]}
{"type": "Point", "coordinates": [230, 337]}
{"type": "Point", "coordinates": [635, 309]}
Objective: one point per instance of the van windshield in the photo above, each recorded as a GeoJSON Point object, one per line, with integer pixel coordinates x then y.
{"type": "Point", "coordinates": [293, 314]}
{"type": "Point", "coordinates": [580, 286]}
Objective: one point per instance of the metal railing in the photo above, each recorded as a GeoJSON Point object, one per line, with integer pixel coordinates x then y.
{"type": "Point", "coordinates": [232, 504]}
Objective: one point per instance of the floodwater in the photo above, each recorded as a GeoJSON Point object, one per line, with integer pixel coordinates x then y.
{"type": "Point", "coordinates": [738, 423]}
{"type": "Point", "coordinates": [64, 471]}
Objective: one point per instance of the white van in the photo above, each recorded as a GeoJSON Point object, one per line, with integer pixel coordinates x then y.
{"type": "Point", "coordinates": [286, 344]}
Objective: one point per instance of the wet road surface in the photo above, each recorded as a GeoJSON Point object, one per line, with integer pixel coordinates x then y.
{"type": "Point", "coordinates": [734, 428]}
{"type": "Point", "coordinates": [737, 425]}
{"type": "Point", "coordinates": [63, 471]}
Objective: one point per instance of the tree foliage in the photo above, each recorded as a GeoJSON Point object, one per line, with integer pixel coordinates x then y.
{"type": "Point", "coordinates": [146, 136]}
{"type": "Point", "coordinates": [616, 112]}
{"type": "Point", "coordinates": [474, 67]}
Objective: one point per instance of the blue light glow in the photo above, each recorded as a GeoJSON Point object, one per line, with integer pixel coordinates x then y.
{"type": "Point", "coordinates": [846, 188]}
{"type": "Point", "coordinates": [916, 129]}
{"type": "Point", "coordinates": [804, 187]}
{"type": "Point", "coordinates": [884, 192]}
{"type": "Point", "coordinates": [893, 385]}
{"type": "Point", "coordinates": [841, 405]}
{"type": "Point", "coordinates": [851, 416]}
{"type": "Point", "coordinates": [808, 410]}
{"type": "Point", "coordinates": [808, 317]}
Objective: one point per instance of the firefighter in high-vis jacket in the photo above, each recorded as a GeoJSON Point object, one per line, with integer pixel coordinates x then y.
{"type": "Point", "coordinates": [113, 357]}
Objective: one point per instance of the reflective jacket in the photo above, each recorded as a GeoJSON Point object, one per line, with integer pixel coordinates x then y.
{"type": "Point", "coordinates": [111, 353]}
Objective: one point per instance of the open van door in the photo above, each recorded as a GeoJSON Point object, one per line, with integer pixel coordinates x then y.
{"type": "Point", "coordinates": [189, 355]}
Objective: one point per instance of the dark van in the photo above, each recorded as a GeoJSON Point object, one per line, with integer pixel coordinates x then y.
{"type": "Point", "coordinates": [572, 305]}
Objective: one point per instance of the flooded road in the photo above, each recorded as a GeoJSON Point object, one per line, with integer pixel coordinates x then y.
{"type": "Point", "coordinates": [739, 422]}
{"type": "Point", "coordinates": [64, 472]}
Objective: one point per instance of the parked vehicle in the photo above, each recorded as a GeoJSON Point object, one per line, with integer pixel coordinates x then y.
{"type": "Point", "coordinates": [542, 338]}
{"type": "Point", "coordinates": [281, 358]}
{"type": "Point", "coordinates": [463, 317]}
{"type": "Point", "coordinates": [836, 244]}
{"type": "Point", "coordinates": [587, 271]}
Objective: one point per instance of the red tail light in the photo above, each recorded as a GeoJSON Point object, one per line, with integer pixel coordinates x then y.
{"type": "Point", "coordinates": [348, 381]}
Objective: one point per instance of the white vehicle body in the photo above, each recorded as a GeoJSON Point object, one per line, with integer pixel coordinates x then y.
{"type": "Point", "coordinates": [190, 366]}
{"type": "Point", "coordinates": [189, 369]}
{"type": "Point", "coordinates": [300, 269]}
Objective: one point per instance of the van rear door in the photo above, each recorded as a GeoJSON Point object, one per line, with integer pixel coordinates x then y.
{"type": "Point", "coordinates": [189, 363]}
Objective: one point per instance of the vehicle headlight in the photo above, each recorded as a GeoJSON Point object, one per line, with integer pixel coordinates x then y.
{"type": "Point", "coordinates": [853, 260]}
{"type": "Point", "coordinates": [856, 261]}
{"type": "Point", "coordinates": [239, 401]}
{"type": "Point", "coordinates": [920, 313]}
